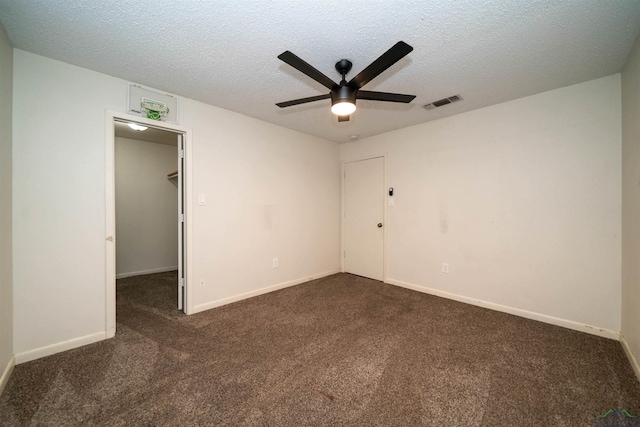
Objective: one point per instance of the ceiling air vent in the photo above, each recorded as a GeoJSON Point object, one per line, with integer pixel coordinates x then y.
{"type": "Point", "coordinates": [441, 102]}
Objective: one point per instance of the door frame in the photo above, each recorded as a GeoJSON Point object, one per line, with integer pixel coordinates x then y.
{"type": "Point", "coordinates": [384, 209]}
{"type": "Point", "coordinates": [110, 212]}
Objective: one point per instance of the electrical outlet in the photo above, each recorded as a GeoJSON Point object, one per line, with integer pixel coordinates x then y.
{"type": "Point", "coordinates": [445, 267]}
{"type": "Point", "coordinates": [275, 263]}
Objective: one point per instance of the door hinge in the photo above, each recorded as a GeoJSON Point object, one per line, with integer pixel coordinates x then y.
{"type": "Point", "coordinates": [181, 282]}
{"type": "Point", "coordinates": [181, 217]}
{"type": "Point", "coordinates": [181, 154]}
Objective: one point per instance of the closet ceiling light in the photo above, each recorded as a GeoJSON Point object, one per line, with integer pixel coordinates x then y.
{"type": "Point", "coordinates": [136, 126]}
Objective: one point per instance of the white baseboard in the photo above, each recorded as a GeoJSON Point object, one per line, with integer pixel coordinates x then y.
{"type": "Point", "coordinates": [143, 272]}
{"type": "Point", "coordinates": [48, 350]}
{"type": "Point", "coordinates": [593, 330]}
{"type": "Point", "coordinates": [630, 356]}
{"type": "Point", "coordinates": [240, 297]}
{"type": "Point", "coordinates": [6, 373]}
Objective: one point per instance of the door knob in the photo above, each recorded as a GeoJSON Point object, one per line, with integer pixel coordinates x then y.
{"type": "Point", "coordinates": [379, 225]}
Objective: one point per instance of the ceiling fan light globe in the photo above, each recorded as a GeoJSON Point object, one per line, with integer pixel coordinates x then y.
{"type": "Point", "coordinates": [343, 108]}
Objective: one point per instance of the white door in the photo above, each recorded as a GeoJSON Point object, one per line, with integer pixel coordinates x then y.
{"type": "Point", "coordinates": [363, 218]}
{"type": "Point", "coordinates": [181, 233]}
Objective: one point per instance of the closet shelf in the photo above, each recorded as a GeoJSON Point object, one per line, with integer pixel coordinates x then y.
{"type": "Point", "coordinates": [172, 175]}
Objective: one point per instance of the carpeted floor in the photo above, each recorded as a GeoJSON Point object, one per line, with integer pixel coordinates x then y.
{"type": "Point", "coordinates": [342, 350]}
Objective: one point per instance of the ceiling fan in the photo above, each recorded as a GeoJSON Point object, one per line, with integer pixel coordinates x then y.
{"type": "Point", "coordinates": [343, 96]}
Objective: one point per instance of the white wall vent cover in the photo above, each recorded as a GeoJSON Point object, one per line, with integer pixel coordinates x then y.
{"type": "Point", "coordinates": [441, 102]}
{"type": "Point", "coordinates": [137, 94]}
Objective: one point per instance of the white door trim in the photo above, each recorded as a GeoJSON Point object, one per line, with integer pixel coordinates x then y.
{"type": "Point", "coordinates": [384, 220]}
{"type": "Point", "coordinates": [181, 285]}
{"type": "Point", "coordinates": [110, 212]}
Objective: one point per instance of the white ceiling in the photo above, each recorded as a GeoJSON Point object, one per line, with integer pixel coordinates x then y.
{"type": "Point", "coordinates": [225, 53]}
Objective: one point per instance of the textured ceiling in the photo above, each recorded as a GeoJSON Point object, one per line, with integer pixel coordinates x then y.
{"type": "Point", "coordinates": [225, 53]}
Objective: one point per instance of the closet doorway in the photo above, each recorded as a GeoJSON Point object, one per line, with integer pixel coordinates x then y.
{"type": "Point", "coordinates": [146, 215]}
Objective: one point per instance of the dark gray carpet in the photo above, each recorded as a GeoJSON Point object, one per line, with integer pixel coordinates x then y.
{"type": "Point", "coordinates": [342, 350]}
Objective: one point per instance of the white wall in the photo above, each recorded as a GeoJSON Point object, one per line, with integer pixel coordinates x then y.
{"type": "Point", "coordinates": [631, 206]}
{"type": "Point", "coordinates": [271, 192]}
{"type": "Point", "coordinates": [6, 281]}
{"type": "Point", "coordinates": [522, 199]}
{"type": "Point", "coordinates": [146, 207]}
{"type": "Point", "coordinates": [59, 200]}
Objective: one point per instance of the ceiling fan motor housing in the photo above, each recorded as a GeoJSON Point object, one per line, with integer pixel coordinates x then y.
{"type": "Point", "coordinates": [343, 94]}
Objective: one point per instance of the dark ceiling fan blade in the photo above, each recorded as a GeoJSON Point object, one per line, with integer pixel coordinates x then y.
{"type": "Point", "coordinates": [307, 69]}
{"type": "Point", "coordinates": [386, 60]}
{"type": "Point", "coordinates": [343, 118]}
{"type": "Point", "coordinates": [303, 100]}
{"type": "Point", "coordinates": [384, 96]}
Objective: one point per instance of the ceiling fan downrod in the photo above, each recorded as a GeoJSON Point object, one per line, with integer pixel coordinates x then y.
{"type": "Point", "coordinates": [343, 67]}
